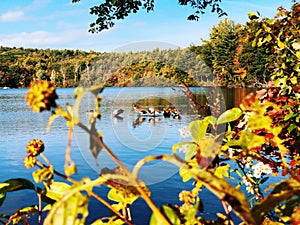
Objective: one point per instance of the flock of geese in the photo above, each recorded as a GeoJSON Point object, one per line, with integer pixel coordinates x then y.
{"type": "Point", "coordinates": [153, 111]}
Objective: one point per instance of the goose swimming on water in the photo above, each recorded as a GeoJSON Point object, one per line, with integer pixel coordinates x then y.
{"type": "Point", "coordinates": [167, 112]}
{"type": "Point", "coordinates": [117, 112]}
{"type": "Point", "coordinates": [139, 110]}
{"type": "Point", "coordinates": [154, 111]}
{"type": "Point", "coordinates": [176, 114]}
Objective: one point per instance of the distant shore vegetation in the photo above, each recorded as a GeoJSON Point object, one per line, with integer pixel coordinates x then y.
{"type": "Point", "coordinates": [228, 58]}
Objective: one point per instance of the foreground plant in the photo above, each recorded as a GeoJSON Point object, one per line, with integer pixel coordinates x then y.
{"type": "Point", "coordinates": [261, 140]}
{"type": "Point", "coordinates": [254, 146]}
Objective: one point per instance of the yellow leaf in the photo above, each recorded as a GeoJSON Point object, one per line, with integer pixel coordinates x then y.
{"type": "Point", "coordinates": [298, 54]}
{"type": "Point", "coordinates": [222, 171]}
{"type": "Point", "coordinates": [280, 44]}
{"type": "Point", "coordinates": [294, 80]}
{"type": "Point", "coordinates": [56, 190]}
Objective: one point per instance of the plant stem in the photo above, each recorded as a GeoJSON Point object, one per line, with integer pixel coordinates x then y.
{"type": "Point", "coordinates": [100, 199]}
{"type": "Point", "coordinates": [249, 180]}
{"type": "Point", "coordinates": [134, 181]}
{"type": "Point", "coordinates": [227, 212]}
{"type": "Point", "coordinates": [40, 208]}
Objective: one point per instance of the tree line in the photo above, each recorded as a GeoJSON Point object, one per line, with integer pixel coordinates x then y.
{"type": "Point", "coordinates": [231, 56]}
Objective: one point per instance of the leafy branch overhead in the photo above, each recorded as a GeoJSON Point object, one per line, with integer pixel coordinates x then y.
{"type": "Point", "coordinates": [110, 11]}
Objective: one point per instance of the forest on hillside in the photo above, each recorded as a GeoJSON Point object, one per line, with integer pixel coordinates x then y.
{"type": "Point", "coordinates": [229, 57]}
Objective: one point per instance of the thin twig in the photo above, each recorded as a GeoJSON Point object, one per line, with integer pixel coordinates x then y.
{"type": "Point", "coordinates": [100, 199]}
{"type": "Point", "coordinates": [68, 149]}
{"type": "Point", "coordinates": [135, 182]}
{"type": "Point", "coordinates": [40, 208]}
{"type": "Point", "coordinates": [249, 180]}
{"type": "Point", "coordinates": [230, 221]}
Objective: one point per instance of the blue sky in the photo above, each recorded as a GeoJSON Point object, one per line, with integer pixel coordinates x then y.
{"type": "Point", "coordinates": [59, 24]}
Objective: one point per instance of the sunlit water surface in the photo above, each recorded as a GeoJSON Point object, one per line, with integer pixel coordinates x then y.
{"type": "Point", "coordinates": [130, 137]}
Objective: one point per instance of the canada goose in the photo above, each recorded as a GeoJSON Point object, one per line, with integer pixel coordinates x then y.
{"type": "Point", "coordinates": [139, 110]}
{"type": "Point", "coordinates": [176, 114]}
{"type": "Point", "coordinates": [116, 115]}
{"type": "Point", "coordinates": [154, 111]}
{"type": "Point", "coordinates": [117, 112]}
{"type": "Point", "coordinates": [167, 112]}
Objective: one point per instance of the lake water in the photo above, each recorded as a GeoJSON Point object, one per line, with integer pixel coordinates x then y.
{"type": "Point", "coordinates": [130, 137]}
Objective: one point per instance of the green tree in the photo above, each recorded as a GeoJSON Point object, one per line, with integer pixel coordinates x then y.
{"type": "Point", "coordinates": [220, 50]}
{"type": "Point", "coordinates": [256, 61]}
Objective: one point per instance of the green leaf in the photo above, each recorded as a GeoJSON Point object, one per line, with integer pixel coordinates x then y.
{"type": "Point", "coordinates": [219, 186]}
{"type": "Point", "coordinates": [198, 129]}
{"type": "Point", "coordinates": [185, 174]}
{"type": "Point", "coordinates": [260, 42]}
{"type": "Point", "coordinates": [114, 195]}
{"type": "Point", "coordinates": [56, 190]}
{"type": "Point", "coordinates": [258, 32]}
{"type": "Point", "coordinates": [249, 140]}
{"type": "Point", "coordinates": [169, 213]}
{"type": "Point", "coordinates": [16, 185]}
{"type": "Point", "coordinates": [211, 120]}
{"type": "Point", "coordinates": [290, 115]}
{"type": "Point", "coordinates": [71, 209]}
{"type": "Point", "coordinates": [2, 197]}
{"type": "Point", "coordinates": [191, 151]}
{"type": "Point", "coordinates": [229, 115]}
{"type": "Point", "coordinates": [291, 127]}
{"type": "Point", "coordinates": [268, 38]}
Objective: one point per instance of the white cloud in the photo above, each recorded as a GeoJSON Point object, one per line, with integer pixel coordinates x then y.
{"type": "Point", "coordinates": [12, 16]}
{"type": "Point", "coordinates": [72, 38]}
{"type": "Point", "coordinates": [36, 4]}
{"type": "Point", "coordinates": [33, 39]}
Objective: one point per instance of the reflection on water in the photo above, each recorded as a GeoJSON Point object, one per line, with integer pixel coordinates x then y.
{"type": "Point", "coordinates": [130, 136]}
